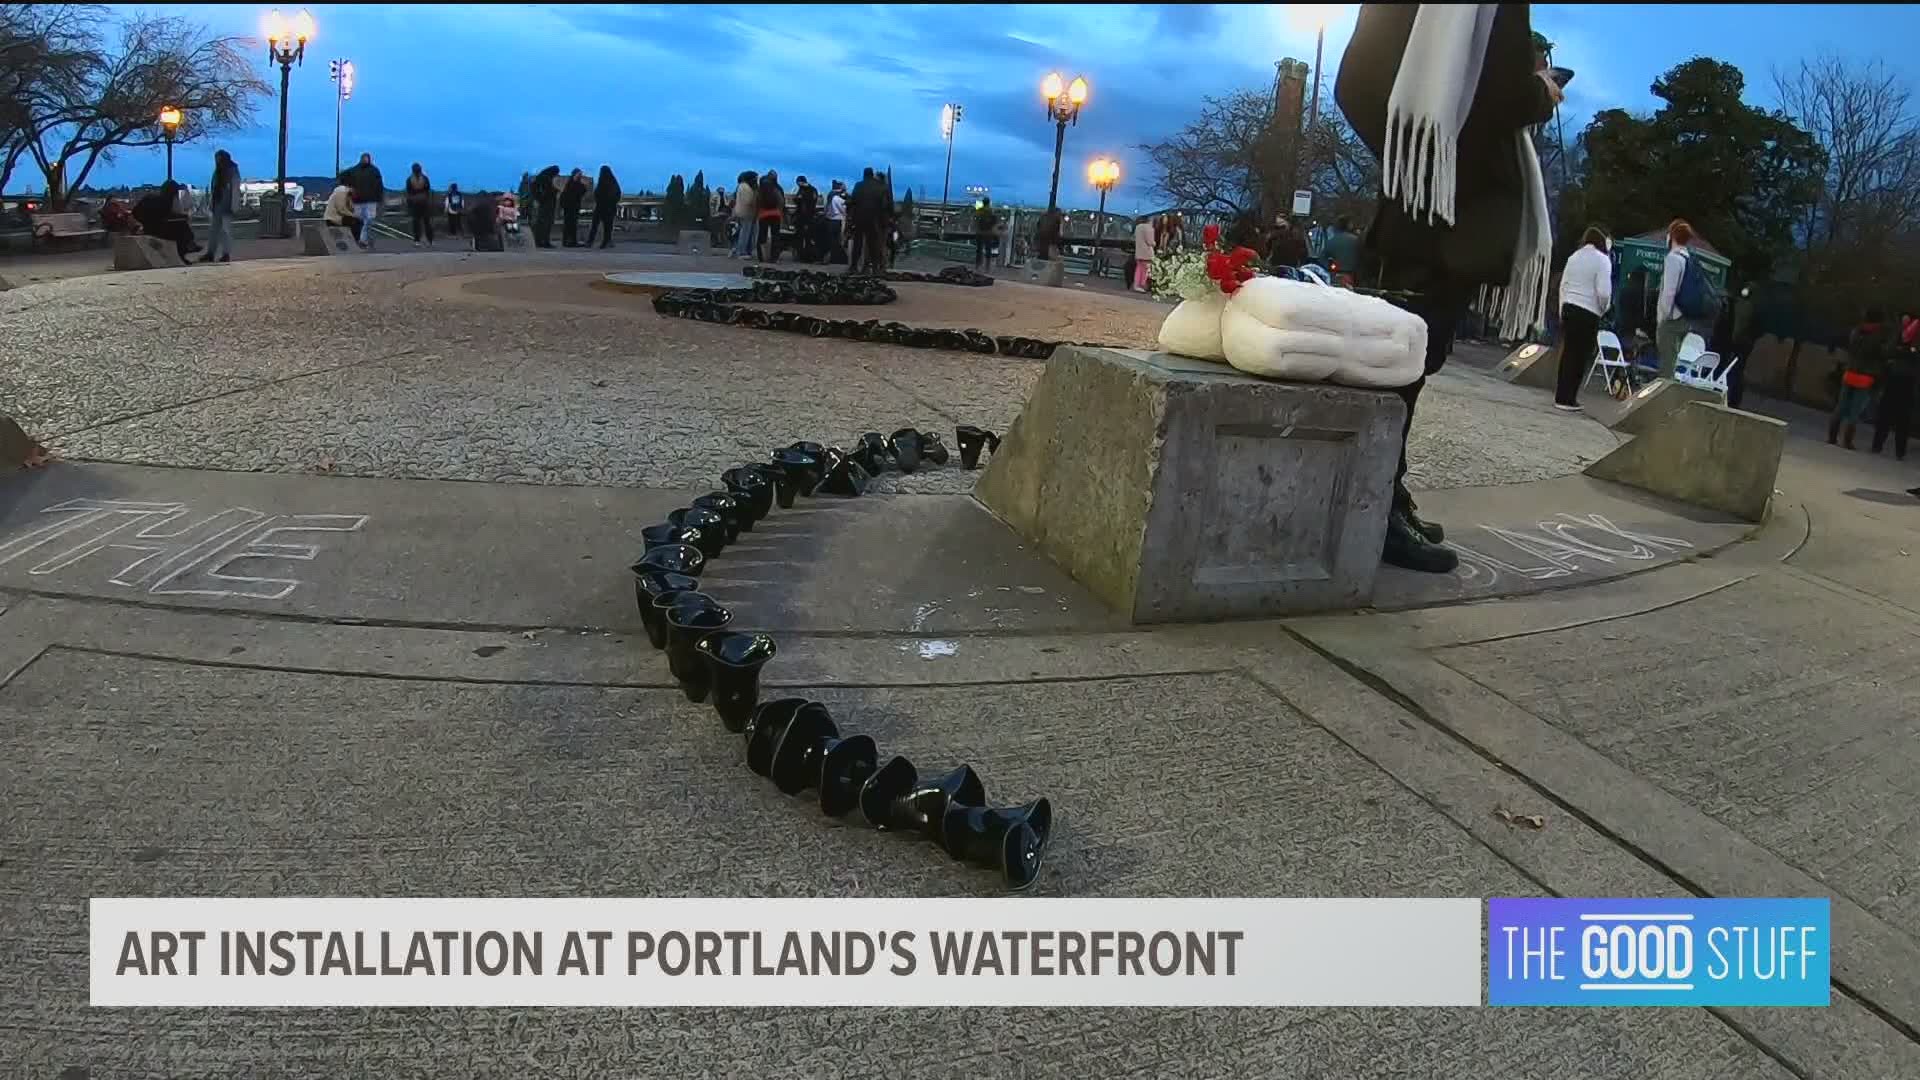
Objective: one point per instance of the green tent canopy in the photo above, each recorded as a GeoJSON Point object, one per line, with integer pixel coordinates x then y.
{"type": "Point", "coordinates": [1648, 252]}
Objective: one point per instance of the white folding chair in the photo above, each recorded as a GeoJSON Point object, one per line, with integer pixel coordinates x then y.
{"type": "Point", "coordinates": [1609, 359]}
{"type": "Point", "coordinates": [1724, 378]}
{"type": "Point", "coordinates": [1697, 372]}
{"type": "Point", "coordinates": [1692, 347]}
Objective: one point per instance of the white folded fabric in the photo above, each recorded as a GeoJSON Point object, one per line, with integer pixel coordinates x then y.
{"type": "Point", "coordinates": [1284, 329]}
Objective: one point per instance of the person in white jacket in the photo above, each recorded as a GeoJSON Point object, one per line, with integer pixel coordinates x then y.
{"type": "Point", "coordinates": [1586, 292]}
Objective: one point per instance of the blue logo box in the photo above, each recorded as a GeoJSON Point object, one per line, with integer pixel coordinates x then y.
{"type": "Point", "coordinates": [1657, 952]}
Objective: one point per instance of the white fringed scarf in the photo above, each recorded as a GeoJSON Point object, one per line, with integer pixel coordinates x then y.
{"type": "Point", "coordinates": [1431, 97]}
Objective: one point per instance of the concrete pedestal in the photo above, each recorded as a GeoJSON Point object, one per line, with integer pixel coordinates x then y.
{"type": "Point", "coordinates": [131, 252]}
{"type": "Point", "coordinates": [1532, 365]}
{"type": "Point", "coordinates": [320, 239]}
{"type": "Point", "coordinates": [1179, 489]}
{"type": "Point", "coordinates": [1654, 402]}
{"type": "Point", "coordinates": [1706, 454]}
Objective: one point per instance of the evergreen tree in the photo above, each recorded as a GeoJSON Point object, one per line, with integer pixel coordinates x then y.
{"type": "Point", "coordinates": [698, 197]}
{"type": "Point", "coordinates": [674, 210]}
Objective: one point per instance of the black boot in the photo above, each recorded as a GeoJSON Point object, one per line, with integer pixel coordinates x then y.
{"type": "Point", "coordinates": [1403, 504]}
{"type": "Point", "coordinates": [1409, 550]}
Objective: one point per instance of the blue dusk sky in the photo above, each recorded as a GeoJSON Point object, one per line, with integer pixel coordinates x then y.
{"type": "Point", "coordinates": [479, 93]}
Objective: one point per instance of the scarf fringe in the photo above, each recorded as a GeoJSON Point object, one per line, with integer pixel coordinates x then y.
{"type": "Point", "coordinates": [1419, 166]}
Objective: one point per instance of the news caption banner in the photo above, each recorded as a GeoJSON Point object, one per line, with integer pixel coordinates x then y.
{"type": "Point", "coordinates": [710, 952]}
{"type": "Point", "coordinates": [1658, 952]}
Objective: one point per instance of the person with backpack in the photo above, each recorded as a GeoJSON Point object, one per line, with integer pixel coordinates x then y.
{"type": "Point", "coordinates": [606, 207]}
{"type": "Point", "coordinates": [1685, 297]}
{"type": "Point", "coordinates": [1866, 359]}
{"type": "Point", "coordinates": [1895, 412]}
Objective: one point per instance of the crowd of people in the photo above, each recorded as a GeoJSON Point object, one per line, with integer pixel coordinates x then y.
{"type": "Point", "coordinates": [859, 228]}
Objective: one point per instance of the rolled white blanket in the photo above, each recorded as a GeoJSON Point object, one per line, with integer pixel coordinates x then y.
{"type": "Point", "coordinates": [1284, 329]}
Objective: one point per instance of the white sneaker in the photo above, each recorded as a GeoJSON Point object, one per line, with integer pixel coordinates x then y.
{"type": "Point", "coordinates": [1567, 408]}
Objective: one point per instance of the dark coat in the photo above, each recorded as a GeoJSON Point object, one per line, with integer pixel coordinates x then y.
{"type": "Point", "coordinates": [1478, 248]}
{"type": "Point", "coordinates": [366, 183]}
{"type": "Point", "coordinates": [574, 193]}
{"type": "Point", "coordinates": [869, 203]}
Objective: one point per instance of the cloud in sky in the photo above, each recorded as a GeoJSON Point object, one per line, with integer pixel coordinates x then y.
{"type": "Point", "coordinates": [480, 93]}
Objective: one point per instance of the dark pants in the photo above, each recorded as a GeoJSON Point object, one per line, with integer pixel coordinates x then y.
{"type": "Point", "coordinates": [453, 223]}
{"type": "Point", "coordinates": [1894, 415]}
{"type": "Point", "coordinates": [543, 224]}
{"type": "Point", "coordinates": [837, 241]}
{"type": "Point", "coordinates": [1737, 378]}
{"type": "Point", "coordinates": [982, 255]}
{"type": "Point", "coordinates": [1440, 304]}
{"type": "Point", "coordinates": [1579, 336]}
{"type": "Point", "coordinates": [422, 221]}
{"type": "Point", "coordinates": [768, 246]}
{"type": "Point", "coordinates": [570, 226]}
{"type": "Point", "coordinates": [601, 226]}
{"type": "Point", "coordinates": [873, 247]}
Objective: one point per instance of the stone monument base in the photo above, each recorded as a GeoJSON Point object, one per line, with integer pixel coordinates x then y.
{"type": "Point", "coordinates": [140, 252]}
{"type": "Point", "coordinates": [1705, 454]}
{"type": "Point", "coordinates": [1532, 365]}
{"type": "Point", "coordinates": [692, 242]}
{"type": "Point", "coordinates": [1180, 489]}
{"type": "Point", "coordinates": [320, 239]}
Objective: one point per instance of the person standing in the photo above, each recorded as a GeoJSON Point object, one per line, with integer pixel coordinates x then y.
{"type": "Point", "coordinates": [546, 192]}
{"type": "Point", "coordinates": [1343, 251]}
{"type": "Point", "coordinates": [770, 206]}
{"type": "Point", "coordinates": [1866, 357]}
{"type": "Point", "coordinates": [1743, 336]}
{"type": "Point", "coordinates": [572, 195]}
{"type": "Point", "coordinates": [1671, 325]}
{"type": "Point", "coordinates": [456, 206]}
{"type": "Point", "coordinates": [984, 223]}
{"type": "Point", "coordinates": [420, 204]}
{"type": "Point", "coordinates": [1143, 240]}
{"type": "Point", "coordinates": [806, 216]}
{"type": "Point", "coordinates": [837, 222]}
{"type": "Point", "coordinates": [223, 198]}
{"type": "Point", "coordinates": [1586, 291]}
{"type": "Point", "coordinates": [744, 216]}
{"type": "Point", "coordinates": [867, 215]}
{"type": "Point", "coordinates": [606, 206]}
{"type": "Point", "coordinates": [369, 189]}
{"type": "Point", "coordinates": [1462, 205]}
{"type": "Point", "coordinates": [1896, 388]}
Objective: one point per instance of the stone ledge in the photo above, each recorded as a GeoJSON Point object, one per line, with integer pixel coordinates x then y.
{"type": "Point", "coordinates": [131, 252]}
{"type": "Point", "coordinates": [1706, 454]}
{"type": "Point", "coordinates": [1179, 489]}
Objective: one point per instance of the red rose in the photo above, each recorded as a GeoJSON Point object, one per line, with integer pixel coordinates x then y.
{"type": "Point", "coordinates": [1210, 234]}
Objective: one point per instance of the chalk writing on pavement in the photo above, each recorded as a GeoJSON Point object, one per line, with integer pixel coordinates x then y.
{"type": "Point", "coordinates": [1560, 547]}
{"type": "Point", "coordinates": [169, 549]}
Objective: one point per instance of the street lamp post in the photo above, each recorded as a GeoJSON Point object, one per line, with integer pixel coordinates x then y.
{"type": "Point", "coordinates": [1103, 173]}
{"type": "Point", "coordinates": [341, 72]}
{"type": "Point", "coordinates": [286, 45]}
{"type": "Point", "coordinates": [1063, 108]}
{"type": "Point", "coordinates": [170, 126]}
{"type": "Point", "coordinates": [950, 115]}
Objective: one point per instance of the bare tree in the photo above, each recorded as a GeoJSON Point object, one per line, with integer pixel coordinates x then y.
{"type": "Point", "coordinates": [116, 100]}
{"type": "Point", "coordinates": [1861, 115]}
{"type": "Point", "coordinates": [1217, 163]}
{"type": "Point", "coordinates": [45, 52]}
{"type": "Point", "coordinates": [1229, 158]}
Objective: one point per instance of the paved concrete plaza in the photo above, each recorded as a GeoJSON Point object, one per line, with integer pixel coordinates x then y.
{"type": "Point", "coordinates": [449, 693]}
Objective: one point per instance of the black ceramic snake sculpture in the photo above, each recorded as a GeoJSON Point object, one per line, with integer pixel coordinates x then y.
{"type": "Point", "coordinates": [814, 287]}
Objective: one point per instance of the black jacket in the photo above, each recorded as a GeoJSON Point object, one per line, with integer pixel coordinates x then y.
{"type": "Point", "coordinates": [1478, 247]}
{"type": "Point", "coordinates": [573, 194]}
{"type": "Point", "coordinates": [366, 183]}
{"type": "Point", "coordinates": [806, 200]}
{"type": "Point", "coordinates": [606, 194]}
{"type": "Point", "coordinates": [869, 203]}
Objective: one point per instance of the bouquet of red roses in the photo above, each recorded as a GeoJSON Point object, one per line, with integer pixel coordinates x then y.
{"type": "Point", "coordinates": [1228, 269]}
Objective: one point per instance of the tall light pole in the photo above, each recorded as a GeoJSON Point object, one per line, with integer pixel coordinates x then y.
{"type": "Point", "coordinates": [341, 72]}
{"type": "Point", "coordinates": [1063, 108]}
{"type": "Point", "coordinates": [286, 45]}
{"type": "Point", "coordinates": [950, 115]}
{"type": "Point", "coordinates": [1102, 173]}
{"type": "Point", "coordinates": [1314, 15]}
{"type": "Point", "coordinates": [169, 127]}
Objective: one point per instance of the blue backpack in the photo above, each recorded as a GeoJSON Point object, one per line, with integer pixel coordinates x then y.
{"type": "Point", "coordinates": [1694, 298]}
